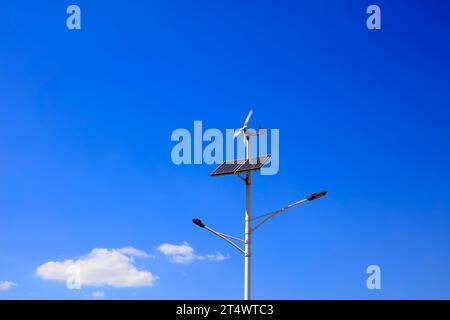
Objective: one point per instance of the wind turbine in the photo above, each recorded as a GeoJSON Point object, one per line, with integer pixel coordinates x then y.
{"type": "Point", "coordinates": [248, 132]}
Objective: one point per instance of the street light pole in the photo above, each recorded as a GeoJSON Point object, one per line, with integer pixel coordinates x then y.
{"type": "Point", "coordinates": [230, 168]}
{"type": "Point", "coordinates": [248, 241]}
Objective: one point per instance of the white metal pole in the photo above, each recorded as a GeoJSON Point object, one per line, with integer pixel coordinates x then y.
{"type": "Point", "coordinates": [248, 252]}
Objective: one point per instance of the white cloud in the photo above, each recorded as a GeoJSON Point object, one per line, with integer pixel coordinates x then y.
{"type": "Point", "coordinates": [98, 294]}
{"type": "Point", "coordinates": [184, 253]}
{"type": "Point", "coordinates": [6, 285]}
{"type": "Point", "coordinates": [101, 267]}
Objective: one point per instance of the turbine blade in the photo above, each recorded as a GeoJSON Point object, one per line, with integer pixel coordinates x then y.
{"type": "Point", "coordinates": [236, 133]}
{"type": "Point", "coordinates": [247, 119]}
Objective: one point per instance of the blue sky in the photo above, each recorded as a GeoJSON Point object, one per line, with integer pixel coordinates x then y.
{"type": "Point", "coordinates": [86, 118]}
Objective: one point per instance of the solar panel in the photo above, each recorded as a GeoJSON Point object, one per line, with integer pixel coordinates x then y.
{"type": "Point", "coordinates": [241, 165]}
{"type": "Point", "coordinates": [228, 167]}
{"type": "Point", "coordinates": [254, 164]}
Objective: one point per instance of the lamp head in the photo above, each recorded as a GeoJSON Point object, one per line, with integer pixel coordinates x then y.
{"type": "Point", "coordinates": [198, 222]}
{"type": "Point", "coordinates": [317, 195]}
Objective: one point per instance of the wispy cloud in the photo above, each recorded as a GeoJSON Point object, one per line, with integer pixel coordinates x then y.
{"type": "Point", "coordinates": [216, 257]}
{"type": "Point", "coordinates": [101, 267]}
{"type": "Point", "coordinates": [6, 285]}
{"type": "Point", "coordinates": [183, 253]}
{"type": "Point", "coordinates": [135, 252]}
